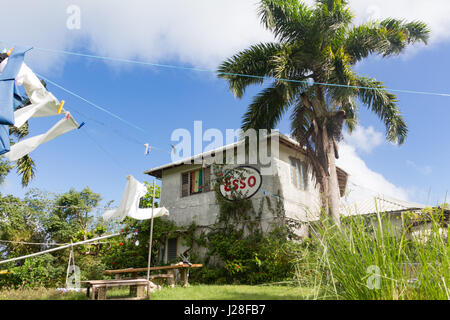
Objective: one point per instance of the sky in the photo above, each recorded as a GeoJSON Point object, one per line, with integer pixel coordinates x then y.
{"type": "Point", "coordinates": [201, 34]}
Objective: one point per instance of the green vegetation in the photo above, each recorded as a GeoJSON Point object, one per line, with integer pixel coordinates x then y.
{"type": "Point", "coordinates": [372, 259]}
{"type": "Point", "coordinates": [232, 292]}
{"type": "Point", "coordinates": [195, 292]}
{"type": "Point", "coordinates": [40, 294]}
{"type": "Point", "coordinates": [244, 248]}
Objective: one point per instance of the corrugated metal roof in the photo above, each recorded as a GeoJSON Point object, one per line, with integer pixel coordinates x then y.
{"type": "Point", "coordinates": [380, 203]}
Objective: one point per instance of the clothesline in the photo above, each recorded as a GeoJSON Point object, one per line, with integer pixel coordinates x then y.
{"type": "Point", "coordinates": [235, 74]}
{"type": "Point", "coordinates": [41, 243]}
{"type": "Point", "coordinates": [116, 162]}
{"type": "Point", "coordinates": [101, 109]}
{"type": "Point", "coordinates": [52, 206]}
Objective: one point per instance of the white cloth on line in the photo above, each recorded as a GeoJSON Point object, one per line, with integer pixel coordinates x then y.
{"type": "Point", "coordinates": [29, 80]}
{"type": "Point", "coordinates": [24, 147]}
{"type": "Point", "coordinates": [43, 103]}
{"type": "Point", "coordinates": [129, 205]}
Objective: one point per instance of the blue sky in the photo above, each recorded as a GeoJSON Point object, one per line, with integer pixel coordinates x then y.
{"type": "Point", "coordinates": [161, 100]}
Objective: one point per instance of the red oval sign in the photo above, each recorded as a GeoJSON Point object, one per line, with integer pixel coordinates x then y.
{"type": "Point", "coordinates": [243, 183]}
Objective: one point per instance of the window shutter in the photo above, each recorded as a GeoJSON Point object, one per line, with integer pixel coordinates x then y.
{"type": "Point", "coordinates": [185, 184]}
{"type": "Point", "coordinates": [305, 175]}
{"type": "Point", "coordinates": [293, 172]}
{"type": "Point", "coordinates": [172, 249]}
{"type": "Point", "coordinates": [206, 179]}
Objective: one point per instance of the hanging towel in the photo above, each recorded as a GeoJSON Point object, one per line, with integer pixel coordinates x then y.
{"type": "Point", "coordinates": [200, 180]}
{"type": "Point", "coordinates": [24, 147]}
{"type": "Point", "coordinates": [43, 103]}
{"type": "Point", "coordinates": [8, 89]}
{"type": "Point", "coordinates": [4, 139]}
{"type": "Point", "coordinates": [196, 180]}
{"type": "Point", "coordinates": [129, 205]}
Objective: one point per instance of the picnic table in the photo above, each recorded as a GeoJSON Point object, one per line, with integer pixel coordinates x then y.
{"type": "Point", "coordinates": [99, 287]}
{"type": "Point", "coordinates": [182, 267]}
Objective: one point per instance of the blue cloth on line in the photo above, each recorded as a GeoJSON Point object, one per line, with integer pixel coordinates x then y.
{"type": "Point", "coordinates": [8, 89]}
{"type": "Point", "coordinates": [4, 139]}
{"type": "Point", "coordinates": [9, 95]}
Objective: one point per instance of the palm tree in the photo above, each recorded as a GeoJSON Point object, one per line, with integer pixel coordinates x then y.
{"type": "Point", "coordinates": [316, 46]}
{"type": "Point", "coordinates": [25, 166]}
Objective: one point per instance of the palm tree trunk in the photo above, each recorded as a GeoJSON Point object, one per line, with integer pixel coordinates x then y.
{"type": "Point", "coordinates": [328, 182]}
{"type": "Point", "coordinates": [333, 185]}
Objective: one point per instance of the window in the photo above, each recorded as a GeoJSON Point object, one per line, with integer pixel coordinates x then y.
{"type": "Point", "coordinates": [299, 174]}
{"type": "Point", "coordinates": [172, 249]}
{"type": "Point", "coordinates": [196, 181]}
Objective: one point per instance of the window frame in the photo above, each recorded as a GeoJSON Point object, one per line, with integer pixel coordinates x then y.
{"type": "Point", "coordinates": [189, 174]}
{"type": "Point", "coordinates": [300, 174]}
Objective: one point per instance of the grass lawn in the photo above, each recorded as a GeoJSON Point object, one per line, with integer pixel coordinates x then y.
{"type": "Point", "coordinates": [231, 292]}
{"type": "Point", "coordinates": [40, 294]}
{"type": "Point", "coordinates": [194, 292]}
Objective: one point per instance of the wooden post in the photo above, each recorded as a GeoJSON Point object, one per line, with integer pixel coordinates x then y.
{"type": "Point", "coordinates": [94, 289]}
{"type": "Point", "coordinates": [171, 280]}
{"type": "Point", "coordinates": [184, 277]}
{"type": "Point", "coordinates": [150, 244]}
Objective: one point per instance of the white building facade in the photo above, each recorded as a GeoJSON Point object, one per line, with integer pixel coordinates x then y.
{"type": "Point", "coordinates": [187, 190]}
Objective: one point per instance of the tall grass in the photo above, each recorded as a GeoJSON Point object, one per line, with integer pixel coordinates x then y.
{"type": "Point", "coordinates": [381, 259]}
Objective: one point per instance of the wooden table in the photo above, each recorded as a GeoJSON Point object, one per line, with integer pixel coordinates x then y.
{"type": "Point", "coordinates": [99, 287]}
{"type": "Point", "coordinates": [170, 269]}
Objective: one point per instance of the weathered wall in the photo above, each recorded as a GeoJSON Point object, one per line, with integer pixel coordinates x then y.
{"type": "Point", "coordinates": [298, 204]}
{"type": "Point", "coordinates": [202, 208]}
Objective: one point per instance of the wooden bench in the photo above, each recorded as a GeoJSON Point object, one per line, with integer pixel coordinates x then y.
{"type": "Point", "coordinates": [98, 288]}
{"type": "Point", "coordinates": [170, 271]}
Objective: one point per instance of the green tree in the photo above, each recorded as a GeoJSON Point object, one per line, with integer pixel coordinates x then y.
{"type": "Point", "coordinates": [19, 222]}
{"type": "Point", "coordinates": [317, 45]}
{"type": "Point", "coordinates": [71, 218]}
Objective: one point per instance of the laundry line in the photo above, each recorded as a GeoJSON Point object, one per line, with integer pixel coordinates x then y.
{"type": "Point", "coordinates": [34, 243]}
{"type": "Point", "coordinates": [236, 74]}
{"type": "Point", "coordinates": [41, 243]}
{"type": "Point", "coordinates": [117, 132]}
{"type": "Point", "coordinates": [59, 248]}
{"type": "Point", "coordinates": [52, 206]}
{"type": "Point", "coordinates": [101, 109]}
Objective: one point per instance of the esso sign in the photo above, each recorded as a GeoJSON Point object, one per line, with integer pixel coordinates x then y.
{"type": "Point", "coordinates": [243, 186]}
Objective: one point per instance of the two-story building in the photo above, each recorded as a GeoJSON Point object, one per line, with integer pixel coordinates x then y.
{"type": "Point", "coordinates": [186, 189]}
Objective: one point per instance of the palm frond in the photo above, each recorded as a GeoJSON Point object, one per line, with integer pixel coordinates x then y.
{"type": "Point", "coordinates": [301, 122]}
{"type": "Point", "coordinates": [351, 111]}
{"type": "Point", "coordinates": [269, 105]}
{"type": "Point", "coordinates": [331, 16]}
{"type": "Point", "coordinates": [21, 132]}
{"type": "Point", "coordinates": [26, 168]}
{"type": "Point", "coordinates": [289, 20]}
{"type": "Point", "coordinates": [384, 105]}
{"type": "Point", "coordinates": [256, 62]}
{"type": "Point", "coordinates": [388, 37]}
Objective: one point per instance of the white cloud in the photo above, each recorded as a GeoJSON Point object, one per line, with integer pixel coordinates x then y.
{"type": "Point", "coordinates": [198, 32]}
{"type": "Point", "coordinates": [425, 170]}
{"type": "Point", "coordinates": [364, 139]}
{"type": "Point", "coordinates": [364, 182]}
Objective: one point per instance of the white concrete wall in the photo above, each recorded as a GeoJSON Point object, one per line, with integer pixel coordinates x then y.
{"type": "Point", "coordinates": [298, 204]}
{"type": "Point", "coordinates": [202, 208]}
